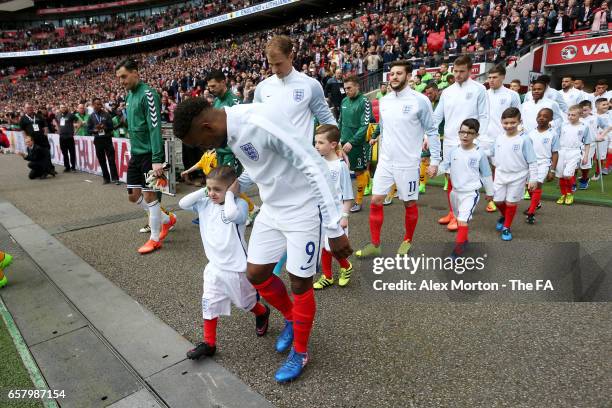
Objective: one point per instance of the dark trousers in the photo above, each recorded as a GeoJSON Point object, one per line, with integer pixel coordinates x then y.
{"type": "Point", "coordinates": [105, 151]}
{"type": "Point", "coordinates": [37, 169]}
{"type": "Point", "coordinates": [68, 149]}
{"type": "Point", "coordinates": [191, 155]}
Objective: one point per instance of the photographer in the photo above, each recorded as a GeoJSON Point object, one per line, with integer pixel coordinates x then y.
{"type": "Point", "coordinates": [38, 158]}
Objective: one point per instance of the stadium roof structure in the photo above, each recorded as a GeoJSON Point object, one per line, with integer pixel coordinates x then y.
{"type": "Point", "coordinates": [15, 5]}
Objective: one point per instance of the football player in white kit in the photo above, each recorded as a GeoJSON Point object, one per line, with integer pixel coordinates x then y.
{"type": "Point", "coordinates": [549, 93]}
{"type": "Point", "coordinates": [545, 141]}
{"type": "Point", "coordinates": [531, 108]}
{"type": "Point", "coordinates": [469, 170]}
{"type": "Point", "coordinates": [604, 126]}
{"type": "Point", "coordinates": [405, 119]}
{"type": "Point", "coordinates": [298, 207]}
{"type": "Point", "coordinates": [500, 99]}
{"type": "Point", "coordinates": [222, 218]}
{"type": "Point", "coordinates": [571, 95]}
{"type": "Point", "coordinates": [327, 140]}
{"type": "Point", "coordinates": [593, 122]}
{"type": "Point", "coordinates": [462, 100]}
{"type": "Point", "coordinates": [515, 164]}
{"type": "Point", "coordinates": [574, 140]}
{"type": "Point", "coordinates": [296, 94]}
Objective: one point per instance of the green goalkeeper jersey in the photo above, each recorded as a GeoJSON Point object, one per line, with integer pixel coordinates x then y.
{"type": "Point", "coordinates": [225, 157]}
{"type": "Point", "coordinates": [355, 117]}
{"type": "Point", "coordinates": [144, 122]}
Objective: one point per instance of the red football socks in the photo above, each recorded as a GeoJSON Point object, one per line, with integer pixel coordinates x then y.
{"type": "Point", "coordinates": [585, 174]}
{"type": "Point", "coordinates": [510, 211]}
{"type": "Point", "coordinates": [344, 263]}
{"type": "Point", "coordinates": [258, 309]}
{"type": "Point", "coordinates": [210, 331]}
{"type": "Point", "coordinates": [566, 185]}
{"type": "Point", "coordinates": [536, 195]}
{"type": "Point", "coordinates": [326, 263]}
{"type": "Point", "coordinates": [411, 217]}
{"type": "Point", "coordinates": [462, 234]}
{"type": "Point", "coordinates": [502, 208]}
{"type": "Point", "coordinates": [462, 237]}
{"type": "Point", "coordinates": [304, 308]}
{"type": "Point", "coordinates": [275, 293]}
{"type": "Point", "coordinates": [377, 217]}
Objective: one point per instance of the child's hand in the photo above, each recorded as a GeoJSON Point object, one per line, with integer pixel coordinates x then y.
{"type": "Point", "coordinates": [432, 171]}
{"type": "Point", "coordinates": [184, 174]}
{"type": "Point", "coordinates": [373, 142]}
{"type": "Point", "coordinates": [550, 176]}
{"type": "Point", "coordinates": [488, 198]}
{"type": "Point", "coordinates": [585, 160]}
{"type": "Point", "coordinates": [344, 222]}
{"type": "Point", "coordinates": [532, 186]}
{"type": "Point", "coordinates": [234, 187]}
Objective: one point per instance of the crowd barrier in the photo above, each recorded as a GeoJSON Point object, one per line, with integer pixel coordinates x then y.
{"type": "Point", "coordinates": [86, 160]}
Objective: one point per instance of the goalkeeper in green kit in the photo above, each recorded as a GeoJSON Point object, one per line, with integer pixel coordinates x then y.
{"type": "Point", "coordinates": [146, 151]}
{"type": "Point", "coordinates": [355, 118]}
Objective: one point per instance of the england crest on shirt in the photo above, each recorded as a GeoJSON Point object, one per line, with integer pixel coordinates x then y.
{"type": "Point", "coordinates": [224, 218]}
{"type": "Point", "coordinates": [502, 101]}
{"type": "Point", "coordinates": [546, 140]}
{"type": "Point", "coordinates": [250, 151]}
{"type": "Point", "coordinates": [334, 175]}
{"type": "Point", "coordinates": [469, 95]}
{"type": "Point", "coordinates": [473, 163]}
{"type": "Point", "coordinates": [298, 95]}
{"type": "Point", "coordinates": [406, 108]}
{"type": "Point", "coordinates": [516, 147]}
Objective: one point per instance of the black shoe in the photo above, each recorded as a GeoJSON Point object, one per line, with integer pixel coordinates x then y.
{"type": "Point", "coordinates": [74, 169]}
{"type": "Point", "coordinates": [117, 182]}
{"type": "Point", "coordinates": [202, 349]}
{"type": "Point", "coordinates": [261, 322]}
{"type": "Point", "coordinates": [458, 250]}
{"type": "Point", "coordinates": [106, 182]}
{"type": "Point", "coordinates": [44, 176]}
{"type": "Point", "coordinates": [530, 219]}
{"type": "Point", "coordinates": [539, 206]}
{"type": "Point", "coordinates": [53, 172]}
{"type": "Point", "coordinates": [67, 170]}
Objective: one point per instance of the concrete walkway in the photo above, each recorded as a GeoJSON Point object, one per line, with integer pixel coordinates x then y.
{"type": "Point", "coordinates": [368, 348]}
{"type": "Point", "coordinates": [92, 340]}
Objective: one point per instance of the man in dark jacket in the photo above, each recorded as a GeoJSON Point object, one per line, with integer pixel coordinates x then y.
{"type": "Point", "coordinates": [100, 125]}
{"type": "Point", "coordinates": [35, 125]}
{"type": "Point", "coordinates": [38, 158]}
{"type": "Point", "coordinates": [334, 92]}
{"type": "Point", "coordinates": [66, 135]}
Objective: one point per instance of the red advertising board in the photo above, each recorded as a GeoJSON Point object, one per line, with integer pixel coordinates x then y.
{"type": "Point", "coordinates": [579, 51]}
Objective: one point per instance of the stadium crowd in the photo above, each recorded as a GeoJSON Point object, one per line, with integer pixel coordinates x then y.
{"type": "Point", "coordinates": [115, 27]}
{"type": "Point", "coordinates": [376, 34]}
